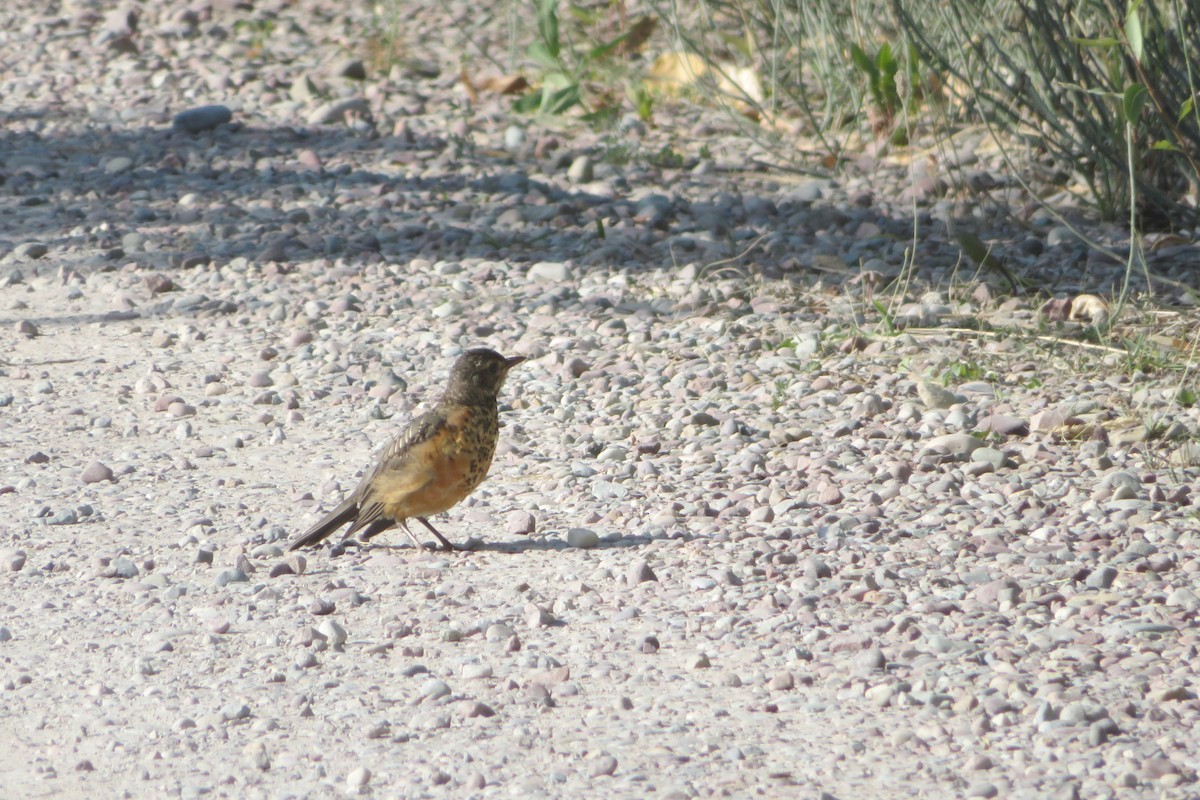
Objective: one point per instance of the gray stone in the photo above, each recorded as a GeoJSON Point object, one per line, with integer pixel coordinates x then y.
{"type": "Point", "coordinates": [204, 118]}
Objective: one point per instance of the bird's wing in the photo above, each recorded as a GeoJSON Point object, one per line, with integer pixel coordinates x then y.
{"type": "Point", "coordinates": [402, 468]}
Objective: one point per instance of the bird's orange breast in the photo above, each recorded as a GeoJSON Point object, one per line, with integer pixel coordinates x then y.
{"type": "Point", "coordinates": [439, 472]}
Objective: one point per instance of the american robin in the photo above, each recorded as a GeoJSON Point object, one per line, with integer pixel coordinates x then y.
{"type": "Point", "coordinates": [437, 461]}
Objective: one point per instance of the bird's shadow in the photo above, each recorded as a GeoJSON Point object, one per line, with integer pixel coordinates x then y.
{"type": "Point", "coordinates": [511, 547]}
{"type": "Point", "coordinates": [533, 545]}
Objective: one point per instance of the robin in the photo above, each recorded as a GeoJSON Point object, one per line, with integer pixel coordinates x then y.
{"type": "Point", "coordinates": [437, 461]}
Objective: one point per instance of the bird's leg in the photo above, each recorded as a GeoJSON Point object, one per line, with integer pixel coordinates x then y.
{"type": "Point", "coordinates": [446, 543]}
{"type": "Point", "coordinates": [404, 526]}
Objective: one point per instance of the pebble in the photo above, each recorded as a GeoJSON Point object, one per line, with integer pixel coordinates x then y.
{"type": "Point", "coordinates": [581, 170]}
{"type": "Point", "coordinates": [12, 560]}
{"type": "Point", "coordinates": [434, 689]}
{"type": "Point", "coordinates": [602, 765]}
{"type": "Point", "coordinates": [549, 272]}
{"type": "Point", "coordinates": [583, 538]}
{"type": "Point", "coordinates": [334, 633]}
{"type": "Point", "coordinates": [203, 118]}
{"type": "Point", "coordinates": [31, 250]}
{"type": "Point", "coordinates": [358, 779]}
{"type": "Point", "coordinates": [521, 523]}
{"type": "Point", "coordinates": [95, 472]}
{"type": "Point", "coordinates": [228, 576]}
{"type": "Point", "coordinates": [639, 572]}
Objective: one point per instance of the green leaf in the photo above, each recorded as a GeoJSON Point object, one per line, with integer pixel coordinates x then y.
{"type": "Point", "coordinates": [863, 62]}
{"type": "Point", "coordinates": [602, 51]}
{"type": "Point", "coordinates": [546, 59]}
{"type": "Point", "coordinates": [582, 15]}
{"type": "Point", "coordinates": [1133, 31]}
{"type": "Point", "coordinates": [1163, 144]}
{"type": "Point", "coordinates": [1107, 41]}
{"type": "Point", "coordinates": [1186, 109]}
{"type": "Point", "coordinates": [1133, 102]}
{"type": "Point", "coordinates": [528, 103]}
{"type": "Point", "coordinates": [603, 117]}
{"type": "Point", "coordinates": [557, 102]}
{"type": "Point", "coordinates": [548, 25]}
{"type": "Point", "coordinates": [885, 60]}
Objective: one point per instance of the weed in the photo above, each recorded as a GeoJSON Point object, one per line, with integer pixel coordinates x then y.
{"type": "Point", "coordinates": [667, 158]}
{"type": "Point", "coordinates": [257, 31]}
{"type": "Point", "coordinates": [960, 372]}
{"type": "Point", "coordinates": [565, 67]}
{"type": "Point", "coordinates": [885, 90]}
{"type": "Point", "coordinates": [885, 318]}
{"type": "Point", "coordinates": [779, 396]}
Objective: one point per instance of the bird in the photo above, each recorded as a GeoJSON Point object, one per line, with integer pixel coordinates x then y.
{"type": "Point", "coordinates": [433, 464]}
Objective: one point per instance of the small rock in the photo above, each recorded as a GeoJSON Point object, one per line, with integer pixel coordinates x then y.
{"type": "Point", "coordinates": [118, 164]}
{"type": "Point", "coordinates": [521, 523]}
{"type": "Point", "coordinates": [351, 68]}
{"type": "Point", "coordinates": [958, 445]}
{"type": "Point", "coordinates": [603, 765]}
{"type": "Point", "coordinates": [256, 754]}
{"type": "Point", "coordinates": [581, 170]}
{"type": "Point", "coordinates": [26, 329]}
{"type": "Point", "coordinates": [783, 681]}
{"type": "Point", "coordinates": [538, 617]}
{"type": "Point", "coordinates": [434, 689]}
{"type": "Point", "coordinates": [334, 633]}
{"type": "Point", "coordinates": [95, 472]}
{"type": "Point", "coordinates": [639, 572]}
{"type": "Point", "coordinates": [934, 396]}
{"type": "Point", "coordinates": [124, 568]}
{"type": "Point", "coordinates": [228, 576]}
{"type": "Point", "coordinates": [358, 779]}
{"type": "Point", "coordinates": [32, 250]}
{"type": "Point", "coordinates": [1102, 578]}
{"type": "Point", "coordinates": [12, 560]}
{"type": "Point", "coordinates": [204, 118]}
{"type": "Point", "coordinates": [549, 272]}
{"type": "Point", "coordinates": [234, 712]}
{"type": "Point", "coordinates": [582, 538]}
{"type": "Point", "coordinates": [497, 632]}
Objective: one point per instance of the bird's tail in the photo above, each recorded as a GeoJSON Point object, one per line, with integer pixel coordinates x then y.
{"type": "Point", "coordinates": [329, 523]}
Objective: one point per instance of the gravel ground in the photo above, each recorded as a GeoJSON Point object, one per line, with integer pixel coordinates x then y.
{"type": "Point", "coordinates": [739, 539]}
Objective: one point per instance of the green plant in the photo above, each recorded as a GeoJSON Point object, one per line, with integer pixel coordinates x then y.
{"type": "Point", "coordinates": [643, 101]}
{"type": "Point", "coordinates": [961, 371]}
{"type": "Point", "coordinates": [565, 67]}
{"type": "Point", "coordinates": [667, 158]}
{"type": "Point", "coordinates": [384, 41]}
{"type": "Point", "coordinates": [256, 31]}
{"type": "Point", "coordinates": [779, 396]}
{"type": "Point", "coordinates": [889, 95]}
{"type": "Point", "coordinates": [1105, 85]}
{"type": "Point", "coordinates": [885, 317]}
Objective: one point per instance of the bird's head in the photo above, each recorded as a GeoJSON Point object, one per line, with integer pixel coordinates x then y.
{"type": "Point", "coordinates": [479, 374]}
